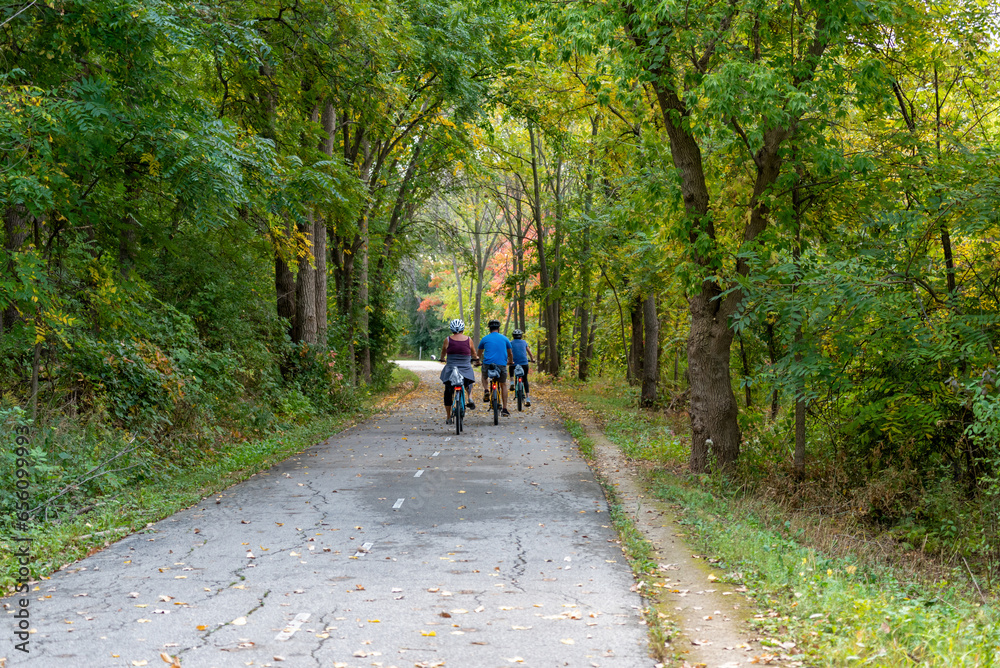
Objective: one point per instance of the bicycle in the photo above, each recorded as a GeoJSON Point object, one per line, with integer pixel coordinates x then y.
{"type": "Point", "coordinates": [519, 386]}
{"type": "Point", "coordinates": [494, 376]}
{"type": "Point", "coordinates": [458, 400]}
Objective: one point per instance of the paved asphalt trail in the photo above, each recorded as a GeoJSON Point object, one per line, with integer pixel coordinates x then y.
{"type": "Point", "coordinates": [394, 543]}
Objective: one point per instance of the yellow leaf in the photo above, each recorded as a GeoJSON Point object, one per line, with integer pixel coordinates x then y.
{"type": "Point", "coordinates": [428, 633]}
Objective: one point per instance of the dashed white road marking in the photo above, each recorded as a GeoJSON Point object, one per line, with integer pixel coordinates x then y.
{"type": "Point", "coordinates": [399, 502]}
{"type": "Point", "coordinates": [418, 473]}
{"type": "Point", "coordinates": [364, 549]}
{"type": "Point", "coordinates": [293, 626]}
{"type": "Point", "coordinates": [435, 454]}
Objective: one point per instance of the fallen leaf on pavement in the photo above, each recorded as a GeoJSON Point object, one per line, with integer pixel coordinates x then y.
{"type": "Point", "coordinates": [172, 661]}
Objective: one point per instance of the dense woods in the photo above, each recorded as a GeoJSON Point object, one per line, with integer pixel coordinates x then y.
{"type": "Point", "coordinates": [777, 219]}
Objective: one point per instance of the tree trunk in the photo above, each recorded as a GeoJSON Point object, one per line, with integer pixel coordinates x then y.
{"type": "Point", "coordinates": [550, 310]}
{"type": "Point", "coordinates": [320, 296]}
{"type": "Point", "coordinates": [651, 350]}
{"type": "Point", "coordinates": [305, 293]}
{"type": "Point", "coordinates": [712, 403]}
{"type": "Point", "coordinates": [583, 367]}
{"type": "Point", "coordinates": [555, 303]}
{"type": "Point", "coordinates": [328, 120]}
{"type": "Point", "coordinates": [363, 323]}
{"type": "Point", "coordinates": [284, 286]}
{"type": "Point", "coordinates": [636, 353]}
{"type": "Point", "coordinates": [593, 331]}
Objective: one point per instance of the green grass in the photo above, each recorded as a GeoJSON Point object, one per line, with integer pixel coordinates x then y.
{"type": "Point", "coordinates": [838, 611]}
{"type": "Point", "coordinates": [577, 431]}
{"type": "Point", "coordinates": [401, 375]}
{"type": "Point", "coordinates": [640, 434]}
{"type": "Point", "coordinates": [841, 610]}
{"type": "Point", "coordinates": [56, 544]}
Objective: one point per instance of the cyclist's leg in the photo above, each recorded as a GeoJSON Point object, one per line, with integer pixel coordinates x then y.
{"type": "Point", "coordinates": [525, 380]}
{"type": "Point", "coordinates": [503, 386]}
{"type": "Point", "coordinates": [449, 397]}
{"type": "Point", "coordinates": [486, 383]}
{"type": "Point", "coordinates": [468, 393]}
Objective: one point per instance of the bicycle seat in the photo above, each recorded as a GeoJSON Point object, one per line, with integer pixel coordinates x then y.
{"type": "Point", "coordinates": [518, 370]}
{"type": "Point", "coordinates": [456, 377]}
{"type": "Point", "coordinates": [493, 372]}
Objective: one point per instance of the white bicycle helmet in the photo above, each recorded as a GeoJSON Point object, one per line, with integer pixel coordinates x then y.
{"type": "Point", "coordinates": [457, 325]}
{"type": "Point", "coordinates": [518, 333]}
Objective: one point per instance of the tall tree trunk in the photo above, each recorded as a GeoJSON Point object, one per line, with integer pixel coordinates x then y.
{"type": "Point", "coordinates": [651, 350]}
{"type": "Point", "coordinates": [284, 287]}
{"type": "Point", "coordinates": [555, 303]}
{"type": "Point", "coordinates": [363, 322]}
{"type": "Point", "coordinates": [305, 292]}
{"type": "Point", "coordinates": [712, 403]}
{"type": "Point", "coordinates": [636, 353]}
{"type": "Point", "coordinates": [320, 296]}
{"type": "Point", "coordinates": [583, 368]}
{"type": "Point", "coordinates": [593, 331]}
{"type": "Point", "coordinates": [550, 310]}
{"type": "Point", "coordinates": [328, 120]}
{"type": "Point", "coordinates": [343, 276]}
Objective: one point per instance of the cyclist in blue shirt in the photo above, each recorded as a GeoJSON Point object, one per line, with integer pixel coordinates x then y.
{"type": "Point", "coordinates": [521, 354]}
{"type": "Point", "coordinates": [498, 354]}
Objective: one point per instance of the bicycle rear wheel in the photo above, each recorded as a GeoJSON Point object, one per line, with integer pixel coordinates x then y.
{"type": "Point", "coordinates": [458, 410]}
{"type": "Point", "coordinates": [520, 396]}
{"type": "Point", "coordinates": [495, 401]}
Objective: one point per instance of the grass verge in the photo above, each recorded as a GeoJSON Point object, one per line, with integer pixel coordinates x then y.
{"type": "Point", "coordinates": [56, 544]}
{"type": "Point", "coordinates": [820, 606]}
{"type": "Point", "coordinates": [833, 610]}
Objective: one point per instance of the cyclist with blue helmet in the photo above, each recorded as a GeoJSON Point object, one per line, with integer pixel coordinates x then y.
{"type": "Point", "coordinates": [496, 353]}
{"type": "Point", "coordinates": [457, 353]}
{"type": "Point", "coordinates": [522, 355]}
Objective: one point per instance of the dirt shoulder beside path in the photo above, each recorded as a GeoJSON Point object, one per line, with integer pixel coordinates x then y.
{"type": "Point", "coordinates": [707, 620]}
